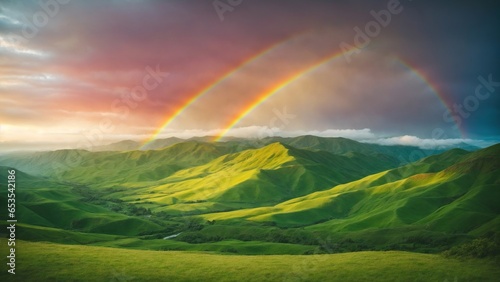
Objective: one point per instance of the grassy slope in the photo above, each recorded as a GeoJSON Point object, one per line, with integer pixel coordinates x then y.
{"type": "Point", "coordinates": [108, 168]}
{"type": "Point", "coordinates": [51, 262]}
{"type": "Point", "coordinates": [48, 234]}
{"type": "Point", "coordinates": [143, 166]}
{"type": "Point", "coordinates": [50, 204]}
{"type": "Point", "coordinates": [47, 163]}
{"type": "Point", "coordinates": [452, 192]}
{"type": "Point", "coordinates": [460, 198]}
{"type": "Point", "coordinates": [256, 177]}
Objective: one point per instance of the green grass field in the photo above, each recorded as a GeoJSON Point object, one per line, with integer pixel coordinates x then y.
{"type": "Point", "coordinates": [53, 262]}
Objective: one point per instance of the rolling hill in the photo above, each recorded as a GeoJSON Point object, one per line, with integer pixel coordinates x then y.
{"type": "Point", "coordinates": [42, 202]}
{"type": "Point", "coordinates": [125, 145]}
{"type": "Point", "coordinates": [109, 166]}
{"type": "Point", "coordinates": [452, 193]}
{"type": "Point", "coordinates": [253, 177]}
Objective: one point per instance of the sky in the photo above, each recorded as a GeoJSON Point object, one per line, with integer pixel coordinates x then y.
{"type": "Point", "coordinates": [83, 73]}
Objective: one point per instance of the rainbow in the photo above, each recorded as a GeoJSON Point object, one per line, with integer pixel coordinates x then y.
{"type": "Point", "coordinates": [172, 116]}
{"type": "Point", "coordinates": [447, 103]}
{"type": "Point", "coordinates": [276, 88]}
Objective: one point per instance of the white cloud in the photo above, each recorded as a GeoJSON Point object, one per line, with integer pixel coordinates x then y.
{"type": "Point", "coordinates": [10, 47]}
{"type": "Point", "coordinates": [408, 140]}
{"type": "Point", "coordinates": [9, 20]}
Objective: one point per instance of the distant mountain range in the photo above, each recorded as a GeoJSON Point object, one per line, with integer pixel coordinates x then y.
{"type": "Point", "coordinates": [331, 144]}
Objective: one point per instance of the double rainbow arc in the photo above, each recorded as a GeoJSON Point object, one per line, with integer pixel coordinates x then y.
{"type": "Point", "coordinates": [172, 116]}
{"type": "Point", "coordinates": [277, 88]}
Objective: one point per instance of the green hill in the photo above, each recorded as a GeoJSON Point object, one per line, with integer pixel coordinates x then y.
{"type": "Point", "coordinates": [48, 163]}
{"type": "Point", "coordinates": [162, 143]}
{"type": "Point", "coordinates": [42, 202]}
{"type": "Point", "coordinates": [109, 168]}
{"type": "Point", "coordinates": [125, 145]}
{"type": "Point", "coordinates": [256, 177]}
{"type": "Point", "coordinates": [454, 192]}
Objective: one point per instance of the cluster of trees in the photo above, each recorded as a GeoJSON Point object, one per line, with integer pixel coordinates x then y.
{"type": "Point", "coordinates": [96, 197]}
{"type": "Point", "coordinates": [275, 235]}
{"type": "Point", "coordinates": [424, 243]}
{"type": "Point", "coordinates": [429, 243]}
{"type": "Point", "coordinates": [487, 246]}
{"type": "Point", "coordinates": [88, 195]}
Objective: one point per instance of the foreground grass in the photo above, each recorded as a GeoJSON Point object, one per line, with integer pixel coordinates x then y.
{"type": "Point", "coordinates": [53, 262]}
